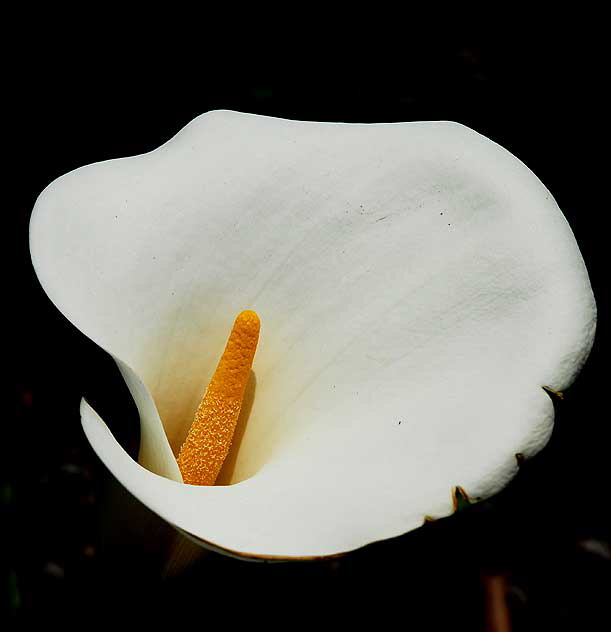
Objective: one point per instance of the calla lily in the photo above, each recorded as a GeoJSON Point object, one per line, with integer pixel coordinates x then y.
{"type": "Point", "coordinates": [417, 287]}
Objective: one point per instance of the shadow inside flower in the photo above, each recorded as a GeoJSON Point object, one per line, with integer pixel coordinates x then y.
{"type": "Point", "coordinates": [225, 476]}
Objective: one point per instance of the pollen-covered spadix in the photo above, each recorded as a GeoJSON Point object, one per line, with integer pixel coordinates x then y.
{"type": "Point", "coordinates": [417, 286]}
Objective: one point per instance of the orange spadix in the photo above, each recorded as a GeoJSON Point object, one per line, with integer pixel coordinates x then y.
{"type": "Point", "coordinates": [207, 444]}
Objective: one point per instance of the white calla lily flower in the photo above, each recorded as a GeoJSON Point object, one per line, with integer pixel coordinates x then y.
{"type": "Point", "coordinates": [417, 287]}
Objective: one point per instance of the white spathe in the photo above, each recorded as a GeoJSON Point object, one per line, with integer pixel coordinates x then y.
{"type": "Point", "coordinates": [417, 286]}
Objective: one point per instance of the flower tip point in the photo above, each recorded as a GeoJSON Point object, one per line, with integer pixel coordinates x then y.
{"type": "Point", "coordinates": [248, 318]}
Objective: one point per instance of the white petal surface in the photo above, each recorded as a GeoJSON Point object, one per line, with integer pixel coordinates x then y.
{"type": "Point", "coordinates": [416, 283]}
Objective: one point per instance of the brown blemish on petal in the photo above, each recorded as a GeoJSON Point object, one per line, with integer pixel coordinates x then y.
{"type": "Point", "coordinates": [429, 519]}
{"type": "Point", "coordinates": [558, 394]}
{"type": "Point", "coordinates": [520, 458]}
{"type": "Point", "coordinates": [460, 498]}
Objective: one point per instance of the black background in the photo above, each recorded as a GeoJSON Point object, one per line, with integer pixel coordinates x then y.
{"type": "Point", "coordinates": [68, 108]}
